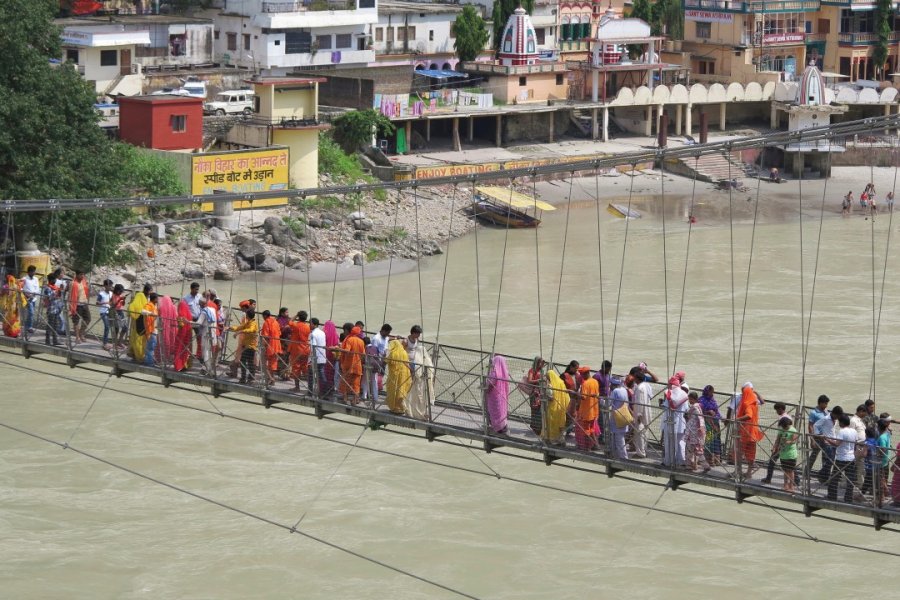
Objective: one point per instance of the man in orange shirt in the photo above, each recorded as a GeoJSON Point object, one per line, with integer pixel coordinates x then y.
{"type": "Point", "coordinates": [271, 335]}
{"type": "Point", "coordinates": [353, 350]}
{"type": "Point", "coordinates": [299, 348]}
{"type": "Point", "coordinates": [78, 306]}
{"type": "Point", "coordinates": [588, 411]}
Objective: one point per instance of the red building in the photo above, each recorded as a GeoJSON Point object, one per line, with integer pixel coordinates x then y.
{"type": "Point", "coordinates": [162, 122]}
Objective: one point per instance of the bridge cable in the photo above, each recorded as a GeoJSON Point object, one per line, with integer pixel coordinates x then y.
{"type": "Point", "coordinates": [337, 262]}
{"type": "Point", "coordinates": [502, 267]}
{"type": "Point", "coordinates": [437, 338]}
{"type": "Point", "coordinates": [393, 234]}
{"type": "Point", "coordinates": [734, 359]}
{"type": "Point", "coordinates": [662, 190]}
{"type": "Point", "coordinates": [687, 254]}
{"type": "Point", "coordinates": [599, 262]}
{"type": "Point", "coordinates": [747, 285]}
{"type": "Point", "coordinates": [884, 271]}
{"type": "Point", "coordinates": [418, 255]}
{"type": "Point", "coordinates": [562, 267]}
{"type": "Point", "coordinates": [478, 283]}
{"type": "Point", "coordinates": [237, 510]}
{"type": "Point", "coordinates": [612, 349]}
{"type": "Point", "coordinates": [308, 252]}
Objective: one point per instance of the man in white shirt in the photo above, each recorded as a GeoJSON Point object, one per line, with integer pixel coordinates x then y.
{"type": "Point", "coordinates": [826, 429]}
{"type": "Point", "coordinates": [193, 302]}
{"type": "Point", "coordinates": [643, 392]}
{"type": "Point", "coordinates": [317, 356]}
{"type": "Point", "coordinates": [676, 403]}
{"type": "Point", "coordinates": [31, 287]}
{"type": "Point", "coordinates": [844, 469]}
{"type": "Point", "coordinates": [205, 324]}
{"type": "Point", "coordinates": [859, 426]}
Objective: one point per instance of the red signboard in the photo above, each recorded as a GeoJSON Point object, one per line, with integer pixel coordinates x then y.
{"type": "Point", "coordinates": [784, 38]}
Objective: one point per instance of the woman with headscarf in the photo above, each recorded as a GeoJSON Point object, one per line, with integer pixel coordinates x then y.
{"type": "Point", "coordinates": [713, 441]}
{"type": "Point", "coordinates": [558, 404]}
{"type": "Point", "coordinates": [421, 391]}
{"type": "Point", "coordinates": [183, 336]}
{"type": "Point", "coordinates": [748, 423]}
{"type": "Point", "coordinates": [587, 410]}
{"type": "Point", "coordinates": [399, 379]}
{"type": "Point", "coordinates": [533, 387]}
{"type": "Point", "coordinates": [332, 340]}
{"type": "Point", "coordinates": [11, 300]}
{"type": "Point", "coordinates": [496, 394]}
{"type": "Point", "coordinates": [137, 340]}
{"type": "Point", "coordinates": [168, 330]}
{"type": "Point", "coordinates": [353, 349]}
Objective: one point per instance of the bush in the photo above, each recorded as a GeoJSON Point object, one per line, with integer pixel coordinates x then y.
{"type": "Point", "coordinates": [335, 163]}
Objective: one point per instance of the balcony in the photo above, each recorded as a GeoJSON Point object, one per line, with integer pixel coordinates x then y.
{"type": "Point", "coordinates": [864, 39]}
{"type": "Point", "coordinates": [314, 5]}
{"type": "Point", "coordinates": [573, 45]}
{"type": "Point", "coordinates": [755, 6]}
{"type": "Point", "coordinates": [314, 14]}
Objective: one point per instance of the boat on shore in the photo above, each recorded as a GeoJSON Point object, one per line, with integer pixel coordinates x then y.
{"type": "Point", "coordinates": [505, 207]}
{"type": "Point", "coordinates": [622, 211]}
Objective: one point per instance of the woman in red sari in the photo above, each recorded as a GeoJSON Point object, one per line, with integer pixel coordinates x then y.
{"type": "Point", "coordinates": [183, 335]}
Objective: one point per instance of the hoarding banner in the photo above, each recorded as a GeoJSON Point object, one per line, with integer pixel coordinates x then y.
{"type": "Point", "coordinates": [707, 16]}
{"type": "Point", "coordinates": [241, 172]}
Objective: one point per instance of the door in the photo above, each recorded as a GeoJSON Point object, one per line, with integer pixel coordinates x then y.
{"type": "Point", "coordinates": [125, 61]}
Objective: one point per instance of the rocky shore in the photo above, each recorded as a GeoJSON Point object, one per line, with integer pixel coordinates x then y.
{"type": "Point", "coordinates": [350, 230]}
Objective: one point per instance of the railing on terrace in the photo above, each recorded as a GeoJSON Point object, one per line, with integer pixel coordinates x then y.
{"type": "Point", "coordinates": [865, 38]}
{"type": "Point", "coordinates": [315, 5]}
{"type": "Point", "coordinates": [289, 122]}
{"type": "Point", "coordinates": [755, 6]}
{"type": "Point", "coordinates": [514, 70]}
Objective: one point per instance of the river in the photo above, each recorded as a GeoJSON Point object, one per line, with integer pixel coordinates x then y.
{"type": "Point", "coordinates": [490, 526]}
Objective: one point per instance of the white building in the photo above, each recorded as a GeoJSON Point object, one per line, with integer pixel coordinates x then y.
{"type": "Point", "coordinates": [104, 55]}
{"type": "Point", "coordinates": [416, 33]}
{"type": "Point", "coordinates": [278, 37]}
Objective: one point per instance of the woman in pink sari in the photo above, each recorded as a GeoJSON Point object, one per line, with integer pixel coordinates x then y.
{"type": "Point", "coordinates": [167, 330]}
{"type": "Point", "coordinates": [183, 337]}
{"type": "Point", "coordinates": [496, 394]}
{"type": "Point", "coordinates": [332, 340]}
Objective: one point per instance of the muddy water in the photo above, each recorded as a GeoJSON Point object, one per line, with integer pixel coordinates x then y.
{"type": "Point", "coordinates": [75, 527]}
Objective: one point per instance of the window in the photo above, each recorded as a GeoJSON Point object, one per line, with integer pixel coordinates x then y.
{"type": "Point", "coordinates": [177, 45]}
{"type": "Point", "coordinates": [343, 40]}
{"type": "Point", "coordinates": [707, 67]}
{"type": "Point", "coordinates": [559, 79]}
{"type": "Point", "coordinates": [109, 58]}
{"type": "Point", "coordinates": [406, 34]}
{"type": "Point", "coordinates": [297, 42]}
{"type": "Point", "coordinates": [231, 41]}
{"type": "Point", "coordinates": [824, 26]}
{"type": "Point", "coordinates": [72, 55]}
{"type": "Point", "coordinates": [431, 35]}
{"type": "Point", "coordinates": [541, 35]}
{"type": "Point", "coordinates": [178, 123]}
{"type": "Point", "coordinates": [704, 30]}
{"type": "Point", "coordinates": [523, 81]}
{"type": "Point", "coordinates": [324, 42]}
{"type": "Point", "coordinates": [453, 31]}
{"type": "Point", "coordinates": [379, 34]}
{"type": "Point", "coordinates": [389, 34]}
{"type": "Point", "coordinates": [246, 41]}
{"type": "Point", "coordinates": [367, 3]}
{"type": "Point", "coordinates": [277, 42]}
{"type": "Point", "coordinates": [215, 34]}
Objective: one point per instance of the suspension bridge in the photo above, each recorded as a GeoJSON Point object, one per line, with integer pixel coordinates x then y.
{"type": "Point", "coordinates": [455, 378]}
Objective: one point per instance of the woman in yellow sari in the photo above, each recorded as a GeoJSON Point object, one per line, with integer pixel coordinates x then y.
{"type": "Point", "coordinates": [137, 341]}
{"type": "Point", "coordinates": [11, 301]}
{"type": "Point", "coordinates": [399, 378]}
{"type": "Point", "coordinates": [554, 433]}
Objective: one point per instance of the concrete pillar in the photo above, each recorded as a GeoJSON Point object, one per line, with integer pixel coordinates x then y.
{"type": "Point", "coordinates": [688, 125]}
{"type": "Point", "coordinates": [498, 137]}
{"type": "Point", "coordinates": [552, 123]}
{"type": "Point", "coordinates": [722, 116]}
{"type": "Point", "coordinates": [471, 135]}
{"type": "Point", "coordinates": [773, 117]}
{"type": "Point", "coordinates": [887, 113]}
{"type": "Point", "coordinates": [224, 214]}
{"type": "Point", "coordinates": [456, 143]}
{"type": "Point", "coordinates": [605, 123]}
{"type": "Point", "coordinates": [594, 124]}
{"type": "Point", "coordinates": [679, 109]}
{"type": "Point", "coordinates": [595, 86]}
{"type": "Point", "coordinates": [648, 127]}
{"type": "Point", "coordinates": [427, 130]}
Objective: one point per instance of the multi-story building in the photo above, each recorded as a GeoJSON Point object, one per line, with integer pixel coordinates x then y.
{"type": "Point", "coordinates": [276, 37]}
{"type": "Point", "coordinates": [764, 40]}
{"type": "Point", "coordinates": [416, 33]}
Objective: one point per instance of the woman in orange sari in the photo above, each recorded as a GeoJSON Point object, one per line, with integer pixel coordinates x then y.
{"type": "Point", "coordinates": [271, 337]}
{"type": "Point", "coordinates": [748, 422]}
{"type": "Point", "coordinates": [11, 300]}
{"type": "Point", "coordinates": [299, 348]}
{"type": "Point", "coordinates": [352, 351]}
{"type": "Point", "coordinates": [183, 337]}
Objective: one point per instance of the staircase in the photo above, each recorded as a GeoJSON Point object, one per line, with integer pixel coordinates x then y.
{"type": "Point", "coordinates": [713, 167]}
{"type": "Point", "coordinates": [581, 118]}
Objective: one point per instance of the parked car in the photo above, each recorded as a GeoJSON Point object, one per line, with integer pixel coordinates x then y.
{"type": "Point", "coordinates": [230, 102]}
{"type": "Point", "coordinates": [193, 88]}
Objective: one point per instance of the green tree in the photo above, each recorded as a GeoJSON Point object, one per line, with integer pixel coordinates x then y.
{"type": "Point", "coordinates": [50, 144]}
{"type": "Point", "coordinates": [353, 130]}
{"type": "Point", "coordinates": [471, 34]}
{"type": "Point", "coordinates": [883, 22]}
{"type": "Point", "coordinates": [500, 15]}
{"type": "Point", "coordinates": [665, 17]}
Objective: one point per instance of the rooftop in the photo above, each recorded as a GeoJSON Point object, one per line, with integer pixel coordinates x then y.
{"type": "Point", "coordinates": [162, 99]}
{"type": "Point", "coordinates": [279, 81]}
{"type": "Point", "coordinates": [428, 8]}
{"type": "Point", "coordinates": [130, 20]}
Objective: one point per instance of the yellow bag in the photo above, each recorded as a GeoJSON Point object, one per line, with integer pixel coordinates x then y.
{"type": "Point", "coordinates": [623, 416]}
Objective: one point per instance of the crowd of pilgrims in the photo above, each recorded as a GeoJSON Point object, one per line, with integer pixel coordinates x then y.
{"type": "Point", "coordinates": [351, 366]}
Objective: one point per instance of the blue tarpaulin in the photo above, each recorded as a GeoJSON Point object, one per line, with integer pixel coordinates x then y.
{"type": "Point", "coordinates": [439, 73]}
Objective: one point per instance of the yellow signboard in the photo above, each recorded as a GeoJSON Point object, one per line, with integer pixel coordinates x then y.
{"type": "Point", "coordinates": [450, 170]}
{"type": "Point", "coordinates": [241, 171]}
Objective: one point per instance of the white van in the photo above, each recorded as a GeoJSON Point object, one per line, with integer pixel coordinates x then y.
{"type": "Point", "coordinates": [230, 102]}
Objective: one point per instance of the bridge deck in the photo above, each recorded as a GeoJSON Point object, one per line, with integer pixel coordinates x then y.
{"type": "Point", "coordinates": [456, 410]}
